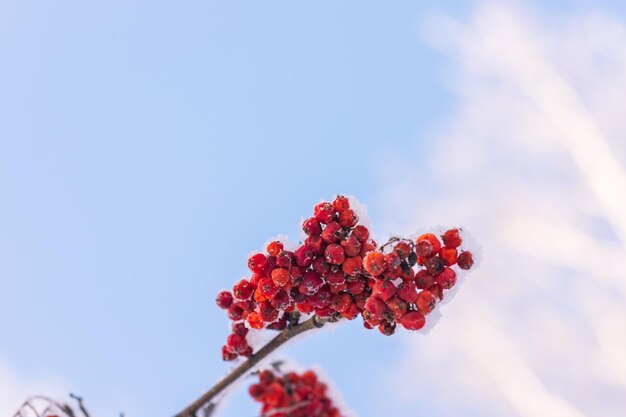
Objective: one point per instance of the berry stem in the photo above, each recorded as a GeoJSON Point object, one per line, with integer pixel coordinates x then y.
{"type": "Point", "coordinates": [314, 322]}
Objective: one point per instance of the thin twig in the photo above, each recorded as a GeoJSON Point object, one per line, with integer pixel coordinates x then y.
{"type": "Point", "coordinates": [235, 374]}
{"type": "Point", "coordinates": [81, 406]}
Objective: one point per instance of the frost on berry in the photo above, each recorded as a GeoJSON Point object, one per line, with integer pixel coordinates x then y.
{"type": "Point", "coordinates": [338, 271]}
{"type": "Point", "coordinates": [293, 394]}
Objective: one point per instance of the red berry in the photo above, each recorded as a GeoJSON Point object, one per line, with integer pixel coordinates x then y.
{"type": "Point", "coordinates": [437, 291]}
{"type": "Point", "coordinates": [279, 324]}
{"type": "Point", "coordinates": [452, 238]}
{"type": "Point", "coordinates": [304, 256]}
{"type": "Point", "coordinates": [254, 321]}
{"type": "Point", "coordinates": [341, 203]}
{"type": "Point", "coordinates": [281, 300]}
{"type": "Point", "coordinates": [335, 276]}
{"type": "Point", "coordinates": [434, 265]}
{"type": "Point", "coordinates": [352, 266]}
{"type": "Point", "coordinates": [311, 283]}
{"type": "Point", "coordinates": [266, 377]}
{"type": "Point", "coordinates": [397, 307]}
{"type": "Point", "coordinates": [224, 299]}
{"type": "Point", "coordinates": [284, 259]}
{"type": "Point", "coordinates": [324, 212]}
{"type": "Point", "coordinates": [257, 262]}
{"type": "Point", "coordinates": [341, 302]}
{"type": "Point", "coordinates": [280, 276]}
{"type": "Point", "coordinates": [333, 233]}
{"type": "Point", "coordinates": [267, 313]}
{"type": "Point", "coordinates": [361, 233]}
{"type": "Point", "coordinates": [351, 245]}
{"type": "Point", "coordinates": [256, 391]}
{"type": "Point", "coordinates": [402, 249]}
{"type": "Point", "coordinates": [312, 227]}
{"type": "Point", "coordinates": [407, 291]}
{"type": "Point", "coordinates": [243, 290]}
{"type": "Point", "coordinates": [423, 279]}
{"type": "Point", "coordinates": [375, 307]}
{"type": "Point", "coordinates": [240, 329]}
{"type": "Point", "coordinates": [465, 260]}
{"type": "Point", "coordinates": [315, 244]}
{"type": "Point", "coordinates": [427, 245]}
{"type": "Point", "coordinates": [267, 288]}
{"type": "Point", "coordinates": [385, 289]}
{"type": "Point", "coordinates": [236, 343]}
{"type": "Point", "coordinates": [274, 248]}
{"type": "Point", "coordinates": [334, 254]}
{"type": "Point", "coordinates": [235, 312]}
{"type": "Point", "coordinates": [446, 279]}
{"type": "Point", "coordinates": [296, 274]}
{"type": "Point", "coordinates": [425, 302]}
{"type": "Point", "coordinates": [387, 328]}
{"type": "Point", "coordinates": [356, 287]}
{"type": "Point", "coordinates": [348, 218]}
{"type": "Point", "coordinates": [321, 298]}
{"type": "Point", "coordinates": [413, 320]}
{"type": "Point", "coordinates": [448, 255]}
{"type": "Point", "coordinates": [375, 263]}
{"type": "Point", "coordinates": [227, 354]}
{"type": "Point", "coordinates": [321, 266]}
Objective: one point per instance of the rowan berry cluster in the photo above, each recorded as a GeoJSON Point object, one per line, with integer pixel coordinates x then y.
{"type": "Point", "coordinates": [292, 395]}
{"type": "Point", "coordinates": [338, 271]}
{"type": "Point", "coordinates": [324, 276]}
{"type": "Point", "coordinates": [409, 280]}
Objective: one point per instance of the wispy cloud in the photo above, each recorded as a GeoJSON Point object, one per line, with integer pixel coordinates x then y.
{"type": "Point", "coordinates": [532, 163]}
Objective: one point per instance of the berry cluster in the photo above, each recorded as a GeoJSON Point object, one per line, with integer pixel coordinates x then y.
{"type": "Point", "coordinates": [324, 276]}
{"type": "Point", "coordinates": [292, 395]}
{"type": "Point", "coordinates": [409, 280]}
{"type": "Point", "coordinates": [338, 271]}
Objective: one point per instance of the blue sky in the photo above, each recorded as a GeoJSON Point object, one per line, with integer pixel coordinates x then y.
{"type": "Point", "coordinates": [147, 147]}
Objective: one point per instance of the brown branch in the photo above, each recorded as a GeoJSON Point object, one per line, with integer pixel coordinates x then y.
{"type": "Point", "coordinates": [235, 374]}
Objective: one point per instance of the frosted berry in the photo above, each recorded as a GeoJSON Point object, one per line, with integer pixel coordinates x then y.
{"type": "Point", "coordinates": [448, 255]}
{"type": "Point", "coordinates": [407, 291]}
{"type": "Point", "coordinates": [352, 266]}
{"type": "Point", "coordinates": [333, 233]}
{"type": "Point", "coordinates": [425, 302]}
{"type": "Point", "coordinates": [334, 254]}
{"type": "Point", "coordinates": [341, 203]}
{"type": "Point", "coordinates": [257, 262]}
{"type": "Point", "coordinates": [361, 233]}
{"type": "Point", "coordinates": [324, 212]}
{"type": "Point", "coordinates": [274, 248]}
{"type": "Point", "coordinates": [413, 320]}
{"type": "Point", "coordinates": [243, 290]}
{"type": "Point", "coordinates": [387, 328]}
{"type": "Point", "coordinates": [427, 245]}
{"type": "Point", "coordinates": [280, 276]}
{"type": "Point", "coordinates": [312, 227]}
{"type": "Point", "coordinates": [384, 289]}
{"type": "Point", "coordinates": [224, 299]}
{"type": "Point", "coordinates": [465, 260]}
{"type": "Point", "coordinates": [446, 279]}
{"type": "Point", "coordinates": [434, 265]}
{"type": "Point", "coordinates": [452, 238]}
{"type": "Point", "coordinates": [375, 263]}
{"type": "Point", "coordinates": [348, 218]}
{"type": "Point", "coordinates": [304, 256]}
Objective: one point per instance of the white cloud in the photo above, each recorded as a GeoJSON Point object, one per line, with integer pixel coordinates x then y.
{"type": "Point", "coordinates": [532, 163]}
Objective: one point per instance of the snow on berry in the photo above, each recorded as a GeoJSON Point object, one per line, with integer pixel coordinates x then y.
{"type": "Point", "coordinates": [340, 272]}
